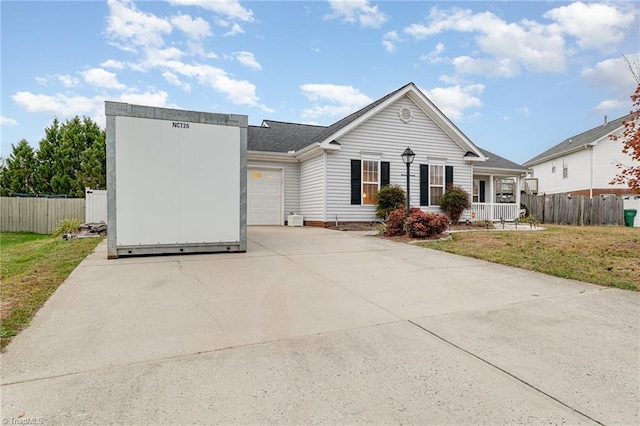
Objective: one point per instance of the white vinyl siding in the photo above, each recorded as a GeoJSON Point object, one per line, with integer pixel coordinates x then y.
{"type": "Point", "coordinates": [386, 134]}
{"type": "Point", "coordinates": [312, 178]}
{"type": "Point", "coordinates": [578, 173]}
{"type": "Point", "coordinates": [606, 155]}
{"type": "Point", "coordinates": [291, 185]}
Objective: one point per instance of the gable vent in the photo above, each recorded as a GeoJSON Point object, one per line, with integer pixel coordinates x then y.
{"type": "Point", "coordinates": [405, 114]}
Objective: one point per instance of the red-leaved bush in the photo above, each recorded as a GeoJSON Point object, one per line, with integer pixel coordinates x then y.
{"type": "Point", "coordinates": [419, 224]}
{"type": "Point", "coordinates": [424, 225]}
{"type": "Point", "coordinates": [395, 223]}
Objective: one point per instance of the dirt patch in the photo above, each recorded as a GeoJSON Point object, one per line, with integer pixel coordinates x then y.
{"type": "Point", "coordinates": [357, 226]}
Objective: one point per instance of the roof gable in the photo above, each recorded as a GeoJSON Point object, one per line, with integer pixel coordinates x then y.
{"type": "Point", "coordinates": [352, 121]}
{"type": "Point", "coordinates": [578, 141]}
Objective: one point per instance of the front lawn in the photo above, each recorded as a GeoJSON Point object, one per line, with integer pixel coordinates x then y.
{"type": "Point", "coordinates": [604, 255]}
{"type": "Point", "coordinates": [32, 266]}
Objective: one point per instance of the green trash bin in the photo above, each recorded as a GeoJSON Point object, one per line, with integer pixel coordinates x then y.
{"type": "Point", "coordinates": [629, 216]}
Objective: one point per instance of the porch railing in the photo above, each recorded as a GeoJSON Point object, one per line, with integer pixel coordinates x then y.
{"type": "Point", "coordinates": [494, 211]}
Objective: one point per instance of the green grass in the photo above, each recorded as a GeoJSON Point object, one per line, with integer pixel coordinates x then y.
{"type": "Point", "coordinates": [32, 266]}
{"type": "Point", "coordinates": [604, 255]}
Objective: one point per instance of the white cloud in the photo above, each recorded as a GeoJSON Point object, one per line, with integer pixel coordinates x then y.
{"type": "Point", "coordinates": [453, 100]}
{"type": "Point", "coordinates": [615, 79]}
{"type": "Point", "coordinates": [390, 41]}
{"type": "Point", "coordinates": [102, 78]}
{"type": "Point", "coordinates": [509, 45]}
{"type": "Point", "coordinates": [156, 99]}
{"type": "Point", "coordinates": [613, 74]}
{"type": "Point", "coordinates": [59, 104]}
{"type": "Point", "coordinates": [235, 30]}
{"type": "Point", "coordinates": [580, 21]}
{"type": "Point", "coordinates": [229, 8]}
{"type": "Point", "coordinates": [112, 63]}
{"type": "Point", "coordinates": [195, 29]}
{"type": "Point", "coordinates": [493, 67]}
{"type": "Point", "coordinates": [434, 56]}
{"type": "Point", "coordinates": [135, 28]}
{"type": "Point", "coordinates": [523, 110]}
{"type": "Point", "coordinates": [505, 48]}
{"type": "Point", "coordinates": [64, 79]}
{"type": "Point", "coordinates": [611, 105]}
{"type": "Point", "coordinates": [240, 92]}
{"type": "Point", "coordinates": [357, 10]}
{"type": "Point", "coordinates": [175, 81]}
{"type": "Point", "coordinates": [65, 106]}
{"type": "Point", "coordinates": [6, 121]}
{"type": "Point", "coordinates": [248, 60]}
{"type": "Point", "coordinates": [344, 100]}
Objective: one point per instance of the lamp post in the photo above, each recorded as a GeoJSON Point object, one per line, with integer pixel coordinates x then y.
{"type": "Point", "coordinates": [407, 158]}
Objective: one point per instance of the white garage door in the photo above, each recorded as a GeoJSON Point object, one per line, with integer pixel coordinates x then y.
{"type": "Point", "coordinates": [264, 197]}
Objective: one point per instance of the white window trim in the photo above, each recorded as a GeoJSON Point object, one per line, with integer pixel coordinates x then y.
{"type": "Point", "coordinates": [362, 182]}
{"type": "Point", "coordinates": [565, 171]}
{"type": "Point", "coordinates": [431, 185]}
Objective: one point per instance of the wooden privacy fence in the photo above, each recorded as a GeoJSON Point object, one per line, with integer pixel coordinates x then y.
{"type": "Point", "coordinates": [39, 215]}
{"type": "Point", "coordinates": [563, 209]}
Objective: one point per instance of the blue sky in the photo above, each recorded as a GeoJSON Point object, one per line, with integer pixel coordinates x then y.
{"type": "Point", "coordinates": [516, 77]}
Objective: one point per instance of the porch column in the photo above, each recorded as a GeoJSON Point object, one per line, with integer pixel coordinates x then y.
{"type": "Point", "coordinates": [492, 196]}
{"type": "Point", "coordinates": [517, 189]}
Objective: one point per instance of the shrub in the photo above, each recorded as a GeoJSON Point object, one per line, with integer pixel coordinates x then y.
{"type": "Point", "coordinates": [390, 197]}
{"type": "Point", "coordinates": [425, 225]}
{"type": "Point", "coordinates": [418, 225]}
{"type": "Point", "coordinates": [66, 226]}
{"type": "Point", "coordinates": [395, 223]}
{"type": "Point", "coordinates": [454, 201]}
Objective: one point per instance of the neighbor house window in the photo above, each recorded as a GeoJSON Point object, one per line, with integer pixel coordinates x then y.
{"type": "Point", "coordinates": [565, 171]}
{"type": "Point", "coordinates": [370, 181]}
{"type": "Point", "coordinates": [436, 184]}
{"type": "Point", "coordinates": [553, 168]}
{"type": "Point", "coordinates": [476, 190]}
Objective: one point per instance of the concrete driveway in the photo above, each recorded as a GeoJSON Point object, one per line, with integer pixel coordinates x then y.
{"type": "Point", "coordinates": [319, 326]}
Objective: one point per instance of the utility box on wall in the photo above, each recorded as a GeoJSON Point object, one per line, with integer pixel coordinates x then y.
{"type": "Point", "coordinates": [176, 181]}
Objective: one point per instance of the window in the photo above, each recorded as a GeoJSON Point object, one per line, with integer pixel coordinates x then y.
{"type": "Point", "coordinates": [565, 171]}
{"type": "Point", "coordinates": [436, 184]}
{"type": "Point", "coordinates": [370, 181]}
{"type": "Point", "coordinates": [476, 190]}
{"type": "Point", "coordinates": [553, 167]}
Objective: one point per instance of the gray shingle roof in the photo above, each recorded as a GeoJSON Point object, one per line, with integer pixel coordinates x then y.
{"type": "Point", "coordinates": [494, 161]}
{"type": "Point", "coordinates": [578, 141]}
{"type": "Point", "coordinates": [281, 136]}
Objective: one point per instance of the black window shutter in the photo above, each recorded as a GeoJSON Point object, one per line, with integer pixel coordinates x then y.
{"type": "Point", "coordinates": [356, 182]}
{"type": "Point", "coordinates": [424, 184]}
{"type": "Point", "coordinates": [384, 173]}
{"type": "Point", "coordinates": [481, 194]}
{"type": "Point", "coordinates": [448, 176]}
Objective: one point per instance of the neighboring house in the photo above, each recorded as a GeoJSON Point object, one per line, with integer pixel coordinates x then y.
{"type": "Point", "coordinates": [583, 164]}
{"type": "Point", "coordinates": [331, 174]}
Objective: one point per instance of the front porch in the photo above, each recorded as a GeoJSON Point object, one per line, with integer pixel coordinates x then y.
{"type": "Point", "coordinates": [494, 212]}
{"type": "Point", "coordinates": [496, 196]}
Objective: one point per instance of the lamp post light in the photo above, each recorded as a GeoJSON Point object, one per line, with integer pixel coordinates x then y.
{"type": "Point", "coordinates": [407, 158]}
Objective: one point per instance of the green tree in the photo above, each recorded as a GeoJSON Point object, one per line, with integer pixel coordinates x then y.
{"type": "Point", "coordinates": [17, 174]}
{"type": "Point", "coordinates": [72, 155]}
{"type": "Point", "coordinates": [45, 158]}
